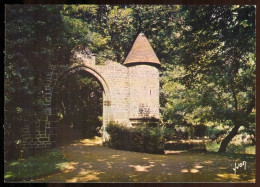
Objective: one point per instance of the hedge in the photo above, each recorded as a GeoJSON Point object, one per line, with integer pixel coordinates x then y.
{"type": "Point", "coordinates": [141, 138]}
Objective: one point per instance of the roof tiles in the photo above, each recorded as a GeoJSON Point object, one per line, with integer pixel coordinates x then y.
{"type": "Point", "coordinates": [141, 52]}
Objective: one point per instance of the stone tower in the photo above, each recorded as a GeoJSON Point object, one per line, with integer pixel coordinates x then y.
{"type": "Point", "coordinates": [143, 64]}
{"type": "Point", "coordinates": [130, 91]}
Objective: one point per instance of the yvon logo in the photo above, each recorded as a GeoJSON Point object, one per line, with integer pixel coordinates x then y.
{"type": "Point", "coordinates": [239, 165]}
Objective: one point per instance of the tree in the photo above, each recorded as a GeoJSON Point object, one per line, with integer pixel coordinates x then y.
{"type": "Point", "coordinates": [207, 55]}
{"type": "Point", "coordinates": [80, 103]}
{"type": "Point", "coordinates": [216, 48]}
{"type": "Point", "coordinates": [108, 29]}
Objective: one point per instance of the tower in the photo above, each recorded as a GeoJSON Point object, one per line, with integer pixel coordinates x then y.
{"type": "Point", "coordinates": [143, 65]}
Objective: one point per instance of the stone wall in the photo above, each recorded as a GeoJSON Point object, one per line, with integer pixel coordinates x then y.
{"type": "Point", "coordinates": [117, 78]}
{"type": "Point", "coordinates": [144, 92]}
{"type": "Point", "coordinates": [44, 131]}
{"type": "Point", "coordinates": [130, 93]}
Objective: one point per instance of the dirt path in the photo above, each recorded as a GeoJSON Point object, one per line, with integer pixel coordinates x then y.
{"type": "Point", "coordinates": [91, 162]}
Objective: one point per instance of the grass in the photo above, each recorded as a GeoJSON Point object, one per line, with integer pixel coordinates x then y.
{"type": "Point", "coordinates": [41, 164]}
{"type": "Point", "coordinates": [92, 162]}
{"type": "Point", "coordinates": [250, 150]}
{"type": "Point", "coordinates": [239, 149]}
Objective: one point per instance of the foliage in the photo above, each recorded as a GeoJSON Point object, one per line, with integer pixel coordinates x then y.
{"type": "Point", "coordinates": [213, 69]}
{"type": "Point", "coordinates": [196, 131]}
{"type": "Point", "coordinates": [104, 29]}
{"type": "Point", "coordinates": [79, 104]}
{"type": "Point", "coordinates": [142, 138]}
{"type": "Point", "coordinates": [32, 42]}
{"type": "Point", "coordinates": [231, 148]}
{"type": "Point", "coordinates": [42, 163]}
{"type": "Point", "coordinates": [207, 54]}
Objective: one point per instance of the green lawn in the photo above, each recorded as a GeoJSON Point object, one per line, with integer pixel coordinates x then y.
{"type": "Point", "coordinates": [41, 164]}
{"type": "Point", "coordinates": [239, 149]}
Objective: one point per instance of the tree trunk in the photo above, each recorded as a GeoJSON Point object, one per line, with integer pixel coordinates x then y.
{"type": "Point", "coordinates": [228, 138]}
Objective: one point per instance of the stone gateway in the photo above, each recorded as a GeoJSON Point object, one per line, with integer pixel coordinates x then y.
{"type": "Point", "coordinates": [130, 91]}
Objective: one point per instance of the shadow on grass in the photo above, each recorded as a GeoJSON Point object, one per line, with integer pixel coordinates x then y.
{"type": "Point", "coordinates": [91, 162]}
{"type": "Point", "coordinates": [47, 162]}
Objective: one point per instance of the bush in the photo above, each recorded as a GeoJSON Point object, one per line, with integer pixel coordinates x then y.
{"type": "Point", "coordinates": [169, 134]}
{"type": "Point", "coordinates": [142, 138]}
{"type": "Point", "coordinates": [195, 131]}
{"type": "Point", "coordinates": [184, 132]}
{"type": "Point", "coordinates": [12, 150]}
{"type": "Point", "coordinates": [42, 163]}
{"type": "Point", "coordinates": [14, 122]}
{"type": "Point", "coordinates": [214, 133]}
{"type": "Point", "coordinates": [200, 130]}
{"type": "Point", "coordinates": [12, 139]}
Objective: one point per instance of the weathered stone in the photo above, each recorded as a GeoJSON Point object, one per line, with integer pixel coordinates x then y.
{"type": "Point", "coordinates": [53, 118]}
{"type": "Point", "coordinates": [53, 124]}
{"type": "Point", "coordinates": [51, 130]}
{"type": "Point", "coordinates": [44, 139]}
{"type": "Point", "coordinates": [47, 125]}
{"type": "Point", "coordinates": [131, 91]}
{"type": "Point", "coordinates": [41, 146]}
{"type": "Point", "coordinates": [42, 125]}
{"type": "Point", "coordinates": [42, 132]}
{"type": "Point", "coordinates": [52, 138]}
{"type": "Point", "coordinates": [53, 144]}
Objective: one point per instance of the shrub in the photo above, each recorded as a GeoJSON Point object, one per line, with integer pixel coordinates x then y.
{"type": "Point", "coordinates": [119, 136]}
{"type": "Point", "coordinates": [194, 131]}
{"type": "Point", "coordinates": [13, 139]}
{"type": "Point", "coordinates": [12, 150]}
{"type": "Point", "coordinates": [141, 138]}
{"type": "Point", "coordinates": [214, 133]}
{"type": "Point", "coordinates": [175, 132]}
{"type": "Point", "coordinates": [199, 130]}
{"type": "Point", "coordinates": [169, 133]}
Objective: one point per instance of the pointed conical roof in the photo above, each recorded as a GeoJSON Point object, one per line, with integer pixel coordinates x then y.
{"type": "Point", "coordinates": [141, 52]}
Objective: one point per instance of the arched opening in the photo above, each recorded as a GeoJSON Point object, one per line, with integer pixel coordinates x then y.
{"type": "Point", "coordinates": [78, 99]}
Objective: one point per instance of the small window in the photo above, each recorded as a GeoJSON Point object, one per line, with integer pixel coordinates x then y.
{"type": "Point", "coordinates": [150, 92]}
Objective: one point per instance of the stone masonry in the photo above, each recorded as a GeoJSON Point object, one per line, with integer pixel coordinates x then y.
{"type": "Point", "coordinates": [131, 90]}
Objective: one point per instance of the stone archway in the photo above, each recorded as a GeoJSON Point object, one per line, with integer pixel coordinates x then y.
{"type": "Point", "coordinates": [131, 91]}
{"type": "Point", "coordinates": [106, 94]}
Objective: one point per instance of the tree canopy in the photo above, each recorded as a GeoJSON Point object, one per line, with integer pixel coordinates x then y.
{"type": "Point", "coordinates": [207, 55]}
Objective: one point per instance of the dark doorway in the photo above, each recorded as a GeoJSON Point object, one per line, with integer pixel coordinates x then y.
{"type": "Point", "coordinates": [80, 106]}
